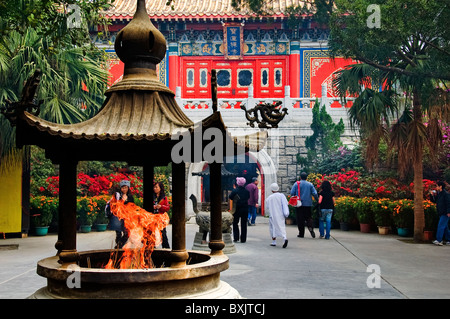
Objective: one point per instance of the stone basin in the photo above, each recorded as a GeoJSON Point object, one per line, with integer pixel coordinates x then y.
{"type": "Point", "coordinates": [200, 278]}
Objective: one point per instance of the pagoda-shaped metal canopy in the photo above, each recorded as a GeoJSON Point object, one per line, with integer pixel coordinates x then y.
{"type": "Point", "coordinates": [137, 124]}
{"type": "Point", "coordinates": [139, 112]}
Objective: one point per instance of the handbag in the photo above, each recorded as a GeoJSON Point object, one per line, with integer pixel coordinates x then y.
{"type": "Point", "coordinates": [295, 201]}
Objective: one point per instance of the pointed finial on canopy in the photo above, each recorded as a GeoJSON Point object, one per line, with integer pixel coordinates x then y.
{"type": "Point", "coordinates": [140, 43]}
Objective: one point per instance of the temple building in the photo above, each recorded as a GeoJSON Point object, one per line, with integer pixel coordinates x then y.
{"type": "Point", "coordinates": [258, 59]}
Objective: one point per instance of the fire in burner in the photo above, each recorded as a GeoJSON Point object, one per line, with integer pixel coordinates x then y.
{"type": "Point", "coordinates": [144, 231]}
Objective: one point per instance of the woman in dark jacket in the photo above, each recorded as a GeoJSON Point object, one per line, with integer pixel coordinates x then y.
{"type": "Point", "coordinates": [160, 206]}
{"type": "Point", "coordinates": [241, 212]}
{"type": "Point", "coordinates": [114, 222]}
{"type": "Point", "coordinates": [442, 200]}
{"type": "Point", "coordinates": [326, 202]}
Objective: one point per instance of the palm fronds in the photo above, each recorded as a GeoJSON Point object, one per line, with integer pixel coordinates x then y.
{"type": "Point", "coordinates": [72, 81]}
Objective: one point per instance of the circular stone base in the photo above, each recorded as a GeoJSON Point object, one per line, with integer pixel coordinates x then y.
{"type": "Point", "coordinates": [200, 278]}
{"type": "Point", "coordinates": [223, 291]}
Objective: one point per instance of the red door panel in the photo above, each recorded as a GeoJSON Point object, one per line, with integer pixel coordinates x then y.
{"type": "Point", "coordinates": [195, 76]}
{"type": "Point", "coordinates": [270, 78]}
{"type": "Point", "coordinates": [267, 76]}
{"type": "Point", "coordinates": [226, 78]}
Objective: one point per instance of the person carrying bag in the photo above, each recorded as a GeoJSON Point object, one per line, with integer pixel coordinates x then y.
{"type": "Point", "coordinates": [303, 211]}
{"type": "Point", "coordinates": [295, 201]}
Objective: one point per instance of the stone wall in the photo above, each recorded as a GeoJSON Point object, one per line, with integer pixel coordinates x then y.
{"type": "Point", "coordinates": [288, 168]}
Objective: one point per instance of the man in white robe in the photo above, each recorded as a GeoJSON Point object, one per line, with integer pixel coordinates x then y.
{"type": "Point", "coordinates": [277, 207]}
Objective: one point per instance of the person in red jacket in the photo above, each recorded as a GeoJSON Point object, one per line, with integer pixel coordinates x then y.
{"type": "Point", "coordinates": [160, 206]}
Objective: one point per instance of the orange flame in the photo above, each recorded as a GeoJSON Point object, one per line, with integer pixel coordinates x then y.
{"type": "Point", "coordinates": [144, 231]}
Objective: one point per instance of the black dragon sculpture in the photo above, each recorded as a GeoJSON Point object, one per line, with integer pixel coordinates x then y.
{"type": "Point", "coordinates": [271, 114]}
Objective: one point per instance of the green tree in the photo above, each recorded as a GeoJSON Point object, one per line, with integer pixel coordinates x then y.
{"type": "Point", "coordinates": [50, 19]}
{"type": "Point", "coordinates": [326, 137]}
{"type": "Point", "coordinates": [403, 76]}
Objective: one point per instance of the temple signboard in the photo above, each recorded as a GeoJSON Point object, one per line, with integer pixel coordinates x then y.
{"type": "Point", "coordinates": [233, 40]}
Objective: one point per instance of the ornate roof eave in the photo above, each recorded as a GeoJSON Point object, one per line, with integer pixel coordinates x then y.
{"type": "Point", "coordinates": [197, 9]}
{"type": "Point", "coordinates": [200, 17]}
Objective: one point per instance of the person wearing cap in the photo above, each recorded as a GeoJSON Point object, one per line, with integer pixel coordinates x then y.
{"type": "Point", "coordinates": [241, 212]}
{"type": "Point", "coordinates": [115, 223]}
{"type": "Point", "coordinates": [278, 210]}
{"type": "Point", "coordinates": [252, 201]}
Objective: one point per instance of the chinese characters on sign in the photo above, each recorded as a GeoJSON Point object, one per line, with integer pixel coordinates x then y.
{"type": "Point", "coordinates": [233, 41]}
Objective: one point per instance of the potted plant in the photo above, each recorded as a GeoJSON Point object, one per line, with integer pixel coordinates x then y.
{"type": "Point", "coordinates": [345, 211]}
{"type": "Point", "coordinates": [431, 220]}
{"type": "Point", "coordinates": [382, 210]}
{"type": "Point", "coordinates": [403, 216]}
{"type": "Point", "coordinates": [86, 214]}
{"type": "Point", "coordinates": [101, 221]}
{"type": "Point", "coordinates": [364, 213]}
{"type": "Point", "coordinates": [41, 214]}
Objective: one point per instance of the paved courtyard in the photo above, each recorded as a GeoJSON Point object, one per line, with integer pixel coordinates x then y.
{"type": "Point", "coordinates": [307, 268]}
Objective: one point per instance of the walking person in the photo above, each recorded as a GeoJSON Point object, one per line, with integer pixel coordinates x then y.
{"type": "Point", "coordinates": [277, 207]}
{"type": "Point", "coordinates": [304, 214]}
{"type": "Point", "coordinates": [115, 223]}
{"type": "Point", "coordinates": [161, 206]}
{"type": "Point", "coordinates": [442, 200]}
{"type": "Point", "coordinates": [326, 202]}
{"type": "Point", "coordinates": [252, 201]}
{"type": "Point", "coordinates": [241, 212]}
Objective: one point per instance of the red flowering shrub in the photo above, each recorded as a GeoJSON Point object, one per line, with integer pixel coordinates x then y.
{"type": "Point", "coordinates": [383, 188]}
{"type": "Point", "coordinates": [53, 185]}
{"type": "Point", "coordinates": [351, 183]}
{"type": "Point", "coordinates": [344, 183]}
{"type": "Point", "coordinates": [94, 186]}
{"type": "Point", "coordinates": [427, 187]}
{"type": "Point", "coordinates": [100, 185]}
